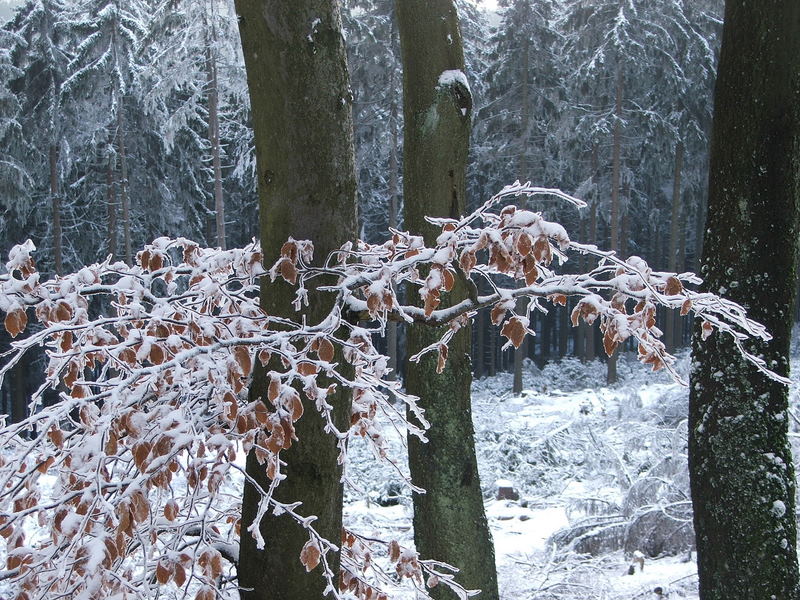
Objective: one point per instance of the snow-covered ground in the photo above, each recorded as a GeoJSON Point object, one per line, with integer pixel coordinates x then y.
{"type": "Point", "coordinates": [574, 449]}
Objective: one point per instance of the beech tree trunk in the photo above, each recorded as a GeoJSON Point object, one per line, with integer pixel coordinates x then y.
{"type": "Point", "coordinates": [299, 91]}
{"type": "Point", "coordinates": [449, 520]}
{"type": "Point", "coordinates": [740, 461]}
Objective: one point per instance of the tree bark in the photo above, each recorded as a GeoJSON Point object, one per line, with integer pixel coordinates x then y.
{"type": "Point", "coordinates": [449, 520]}
{"type": "Point", "coordinates": [299, 92]}
{"type": "Point", "coordinates": [740, 461]}
{"type": "Point", "coordinates": [56, 204]}
{"type": "Point", "coordinates": [519, 353]}
{"type": "Point", "coordinates": [111, 206]}
{"type": "Point", "coordinates": [123, 188]}
{"type": "Point", "coordinates": [674, 234]}
{"type": "Point", "coordinates": [591, 353]}
{"type": "Point", "coordinates": [616, 167]}
{"type": "Point", "coordinates": [394, 193]}
{"type": "Point", "coordinates": [213, 137]}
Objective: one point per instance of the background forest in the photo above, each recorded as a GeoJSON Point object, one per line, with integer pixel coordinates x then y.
{"type": "Point", "coordinates": [124, 121]}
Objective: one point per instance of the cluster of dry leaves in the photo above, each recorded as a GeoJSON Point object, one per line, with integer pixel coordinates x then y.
{"type": "Point", "coordinates": [127, 474]}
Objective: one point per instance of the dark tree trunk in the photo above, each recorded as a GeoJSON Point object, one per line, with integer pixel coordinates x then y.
{"type": "Point", "coordinates": [19, 406]}
{"type": "Point", "coordinates": [480, 345]}
{"type": "Point", "coordinates": [449, 520]}
{"type": "Point", "coordinates": [394, 195]}
{"type": "Point", "coordinates": [56, 204]}
{"type": "Point", "coordinates": [616, 168]}
{"type": "Point", "coordinates": [306, 180]}
{"type": "Point", "coordinates": [111, 206]}
{"type": "Point", "coordinates": [123, 190]}
{"type": "Point", "coordinates": [214, 139]}
{"type": "Point", "coordinates": [674, 235]}
{"type": "Point", "coordinates": [742, 477]}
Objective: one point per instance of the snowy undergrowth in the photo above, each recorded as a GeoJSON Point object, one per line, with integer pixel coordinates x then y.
{"type": "Point", "coordinates": [574, 449]}
{"type": "Point", "coordinates": [578, 452]}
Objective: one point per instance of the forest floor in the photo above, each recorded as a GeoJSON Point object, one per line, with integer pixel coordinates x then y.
{"type": "Point", "coordinates": [581, 455]}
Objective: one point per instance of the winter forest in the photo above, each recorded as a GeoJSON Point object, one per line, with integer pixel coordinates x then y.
{"type": "Point", "coordinates": [399, 299]}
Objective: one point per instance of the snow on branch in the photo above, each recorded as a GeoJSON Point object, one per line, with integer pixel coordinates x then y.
{"type": "Point", "coordinates": [135, 470]}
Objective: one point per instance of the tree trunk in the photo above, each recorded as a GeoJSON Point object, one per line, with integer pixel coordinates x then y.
{"type": "Point", "coordinates": [674, 233]}
{"type": "Point", "coordinates": [449, 520]}
{"type": "Point", "coordinates": [740, 461]}
{"type": "Point", "coordinates": [19, 406]}
{"type": "Point", "coordinates": [480, 345]}
{"type": "Point", "coordinates": [111, 205]}
{"type": "Point", "coordinates": [56, 204]}
{"type": "Point", "coordinates": [123, 189]}
{"type": "Point", "coordinates": [616, 167]}
{"type": "Point", "coordinates": [394, 192]}
{"type": "Point", "coordinates": [590, 329]}
{"type": "Point", "coordinates": [519, 353]}
{"type": "Point", "coordinates": [213, 137]}
{"type": "Point", "coordinates": [303, 128]}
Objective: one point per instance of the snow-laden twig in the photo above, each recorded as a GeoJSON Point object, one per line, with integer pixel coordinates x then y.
{"type": "Point", "coordinates": [152, 363]}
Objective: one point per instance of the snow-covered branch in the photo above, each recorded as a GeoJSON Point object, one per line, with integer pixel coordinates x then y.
{"type": "Point", "coordinates": [136, 468]}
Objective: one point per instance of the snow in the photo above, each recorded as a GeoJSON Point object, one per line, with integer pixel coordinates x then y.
{"type": "Point", "coordinates": [509, 431]}
{"type": "Point", "coordinates": [452, 77]}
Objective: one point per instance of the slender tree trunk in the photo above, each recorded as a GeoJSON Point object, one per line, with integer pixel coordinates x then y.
{"type": "Point", "coordinates": [213, 137]}
{"type": "Point", "coordinates": [111, 204]}
{"type": "Point", "coordinates": [524, 172]}
{"type": "Point", "coordinates": [547, 335]}
{"type": "Point", "coordinates": [56, 204]}
{"type": "Point", "coordinates": [699, 228]}
{"type": "Point", "coordinates": [307, 190]}
{"type": "Point", "coordinates": [580, 334]}
{"type": "Point", "coordinates": [740, 460]}
{"type": "Point", "coordinates": [480, 345]}
{"type": "Point", "coordinates": [491, 336]}
{"type": "Point", "coordinates": [19, 406]}
{"type": "Point", "coordinates": [521, 352]}
{"type": "Point", "coordinates": [590, 330]}
{"type": "Point", "coordinates": [394, 192]}
{"type": "Point", "coordinates": [674, 233]}
{"type": "Point", "coordinates": [563, 331]}
{"type": "Point", "coordinates": [449, 520]}
{"type": "Point", "coordinates": [123, 189]}
{"type": "Point", "coordinates": [616, 168]}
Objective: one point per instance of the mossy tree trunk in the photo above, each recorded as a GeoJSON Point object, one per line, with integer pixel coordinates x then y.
{"type": "Point", "coordinates": [299, 89]}
{"type": "Point", "coordinates": [449, 520]}
{"type": "Point", "coordinates": [742, 478]}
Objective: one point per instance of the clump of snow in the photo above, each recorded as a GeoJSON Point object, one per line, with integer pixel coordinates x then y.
{"type": "Point", "coordinates": [453, 76]}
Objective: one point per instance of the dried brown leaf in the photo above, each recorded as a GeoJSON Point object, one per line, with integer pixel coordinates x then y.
{"type": "Point", "coordinates": [310, 556]}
